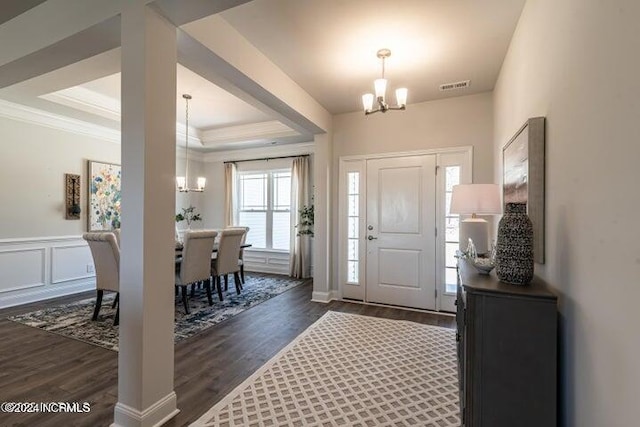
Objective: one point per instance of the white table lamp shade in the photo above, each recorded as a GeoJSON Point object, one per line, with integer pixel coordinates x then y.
{"type": "Point", "coordinates": [475, 199]}
{"type": "Point", "coordinates": [479, 199]}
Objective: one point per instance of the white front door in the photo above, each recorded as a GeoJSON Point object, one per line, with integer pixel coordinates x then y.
{"type": "Point", "coordinates": [400, 231]}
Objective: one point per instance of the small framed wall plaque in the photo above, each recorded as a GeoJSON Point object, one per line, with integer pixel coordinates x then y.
{"type": "Point", "coordinates": [72, 196]}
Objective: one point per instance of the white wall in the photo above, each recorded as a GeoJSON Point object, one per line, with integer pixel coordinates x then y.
{"type": "Point", "coordinates": [42, 255]}
{"type": "Point", "coordinates": [452, 122]}
{"type": "Point", "coordinates": [33, 163]}
{"type": "Point", "coordinates": [576, 62]}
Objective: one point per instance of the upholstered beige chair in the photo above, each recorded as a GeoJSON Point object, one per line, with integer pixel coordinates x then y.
{"type": "Point", "coordinates": [227, 260]}
{"type": "Point", "coordinates": [195, 265]}
{"type": "Point", "coordinates": [241, 255]}
{"type": "Point", "coordinates": [106, 259]}
{"type": "Point", "coordinates": [116, 232]}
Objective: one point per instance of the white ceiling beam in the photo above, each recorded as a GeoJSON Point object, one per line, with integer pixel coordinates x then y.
{"type": "Point", "coordinates": [57, 33]}
{"type": "Point", "coordinates": [180, 12]}
{"type": "Point", "coordinates": [214, 49]}
{"type": "Point", "coordinates": [12, 8]}
{"type": "Point", "coordinates": [51, 22]}
{"type": "Point", "coordinates": [89, 42]}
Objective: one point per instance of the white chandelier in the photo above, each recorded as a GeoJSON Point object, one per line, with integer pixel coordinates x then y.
{"type": "Point", "coordinates": [380, 88]}
{"type": "Point", "coordinates": [182, 181]}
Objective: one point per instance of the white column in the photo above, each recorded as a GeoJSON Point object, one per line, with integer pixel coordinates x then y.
{"type": "Point", "coordinates": [322, 181]}
{"type": "Point", "coordinates": [145, 361]}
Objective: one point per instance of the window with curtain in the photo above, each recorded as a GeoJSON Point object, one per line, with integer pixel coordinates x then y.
{"type": "Point", "coordinates": [265, 207]}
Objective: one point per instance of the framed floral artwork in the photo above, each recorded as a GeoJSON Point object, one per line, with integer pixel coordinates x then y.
{"type": "Point", "coordinates": [103, 212]}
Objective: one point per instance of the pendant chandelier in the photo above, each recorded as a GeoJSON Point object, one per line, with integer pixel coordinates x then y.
{"type": "Point", "coordinates": [182, 182]}
{"type": "Point", "coordinates": [380, 86]}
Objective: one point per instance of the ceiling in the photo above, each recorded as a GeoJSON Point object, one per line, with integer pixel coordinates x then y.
{"type": "Point", "coordinates": [209, 108]}
{"type": "Point", "coordinates": [327, 47]}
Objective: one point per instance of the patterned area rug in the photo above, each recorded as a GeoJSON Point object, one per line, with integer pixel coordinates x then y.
{"type": "Point", "coordinates": [351, 370]}
{"type": "Point", "coordinates": [74, 320]}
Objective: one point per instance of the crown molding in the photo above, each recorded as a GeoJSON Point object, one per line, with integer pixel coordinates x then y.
{"type": "Point", "coordinates": [297, 149]}
{"type": "Point", "coordinates": [194, 136]}
{"type": "Point", "coordinates": [92, 102]}
{"type": "Point", "coordinates": [87, 100]}
{"type": "Point", "coordinates": [254, 132]}
{"type": "Point", "coordinates": [248, 132]}
{"type": "Point", "coordinates": [38, 117]}
{"type": "Point", "coordinates": [34, 116]}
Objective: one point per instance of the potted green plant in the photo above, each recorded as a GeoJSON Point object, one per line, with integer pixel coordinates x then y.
{"type": "Point", "coordinates": [305, 226]}
{"type": "Point", "coordinates": [188, 214]}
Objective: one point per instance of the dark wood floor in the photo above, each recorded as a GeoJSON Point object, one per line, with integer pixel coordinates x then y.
{"type": "Point", "coordinates": [40, 366]}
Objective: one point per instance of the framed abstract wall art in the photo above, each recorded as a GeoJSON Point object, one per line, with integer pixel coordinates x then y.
{"type": "Point", "coordinates": [523, 177]}
{"type": "Point", "coordinates": [103, 210]}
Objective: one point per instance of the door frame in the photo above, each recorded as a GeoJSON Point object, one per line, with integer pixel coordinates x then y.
{"type": "Point", "coordinates": [357, 163]}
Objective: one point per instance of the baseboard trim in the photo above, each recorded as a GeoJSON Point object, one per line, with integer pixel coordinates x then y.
{"type": "Point", "coordinates": [153, 416]}
{"type": "Point", "coordinates": [324, 297]}
{"type": "Point", "coordinates": [45, 293]}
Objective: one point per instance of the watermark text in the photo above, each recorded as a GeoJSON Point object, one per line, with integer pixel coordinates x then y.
{"type": "Point", "coordinates": [46, 407]}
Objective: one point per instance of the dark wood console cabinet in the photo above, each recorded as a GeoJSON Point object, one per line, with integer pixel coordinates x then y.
{"type": "Point", "coordinates": [507, 351]}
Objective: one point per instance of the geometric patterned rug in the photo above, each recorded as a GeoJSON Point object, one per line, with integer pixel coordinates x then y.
{"type": "Point", "coordinates": [74, 320]}
{"type": "Point", "coordinates": [354, 370]}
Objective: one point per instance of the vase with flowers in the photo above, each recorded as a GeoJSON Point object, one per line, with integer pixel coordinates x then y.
{"type": "Point", "coordinates": [188, 214]}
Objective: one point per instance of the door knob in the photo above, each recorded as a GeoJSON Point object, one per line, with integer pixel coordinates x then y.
{"type": "Point", "coordinates": [371, 238]}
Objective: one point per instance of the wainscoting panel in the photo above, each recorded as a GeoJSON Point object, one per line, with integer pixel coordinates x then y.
{"type": "Point", "coordinates": [34, 269]}
{"type": "Point", "coordinates": [70, 263]}
{"type": "Point", "coordinates": [21, 268]}
{"type": "Point", "coordinates": [266, 261]}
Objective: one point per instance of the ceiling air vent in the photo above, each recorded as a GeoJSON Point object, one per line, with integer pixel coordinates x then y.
{"type": "Point", "coordinates": [454, 86]}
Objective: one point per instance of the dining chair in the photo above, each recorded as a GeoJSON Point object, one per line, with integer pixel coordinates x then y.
{"type": "Point", "coordinates": [226, 261]}
{"type": "Point", "coordinates": [195, 265]}
{"type": "Point", "coordinates": [106, 259]}
{"type": "Point", "coordinates": [241, 255]}
{"type": "Point", "coordinates": [116, 232]}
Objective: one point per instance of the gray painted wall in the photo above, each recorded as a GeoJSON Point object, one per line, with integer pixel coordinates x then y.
{"type": "Point", "coordinates": [576, 63]}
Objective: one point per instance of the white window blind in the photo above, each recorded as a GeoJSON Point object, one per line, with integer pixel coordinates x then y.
{"type": "Point", "coordinates": [265, 207]}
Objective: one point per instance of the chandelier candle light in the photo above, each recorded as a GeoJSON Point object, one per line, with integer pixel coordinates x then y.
{"type": "Point", "coordinates": [182, 181]}
{"type": "Point", "coordinates": [380, 88]}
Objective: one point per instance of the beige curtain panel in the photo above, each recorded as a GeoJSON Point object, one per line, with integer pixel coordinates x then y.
{"type": "Point", "coordinates": [299, 255]}
{"type": "Point", "coordinates": [230, 195]}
